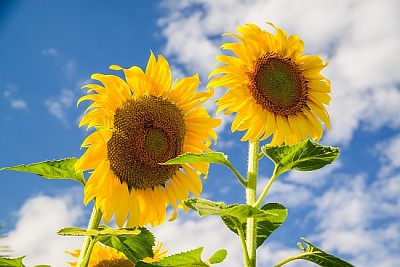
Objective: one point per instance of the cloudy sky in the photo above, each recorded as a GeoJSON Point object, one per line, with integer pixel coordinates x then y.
{"type": "Point", "coordinates": [49, 49]}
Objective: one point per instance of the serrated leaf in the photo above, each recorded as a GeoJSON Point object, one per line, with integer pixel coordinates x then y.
{"type": "Point", "coordinates": [316, 255]}
{"type": "Point", "coordinates": [276, 215]}
{"type": "Point", "coordinates": [12, 262]}
{"type": "Point", "coordinates": [320, 257]}
{"type": "Point", "coordinates": [185, 259]}
{"type": "Point", "coordinates": [101, 231]}
{"type": "Point", "coordinates": [207, 207]}
{"type": "Point", "coordinates": [135, 247]}
{"type": "Point", "coordinates": [305, 156]}
{"type": "Point", "coordinates": [51, 169]}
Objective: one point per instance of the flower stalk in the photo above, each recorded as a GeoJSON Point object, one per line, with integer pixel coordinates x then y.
{"type": "Point", "coordinates": [251, 195]}
{"type": "Point", "coordinates": [88, 243]}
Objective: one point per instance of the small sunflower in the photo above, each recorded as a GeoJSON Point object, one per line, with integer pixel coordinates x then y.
{"type": "Point", "coordinates": [103, 256]}
{"type": "Point", "coordinates": [140, 123]}
{"type": "Point", "coordinates": [273, 88]}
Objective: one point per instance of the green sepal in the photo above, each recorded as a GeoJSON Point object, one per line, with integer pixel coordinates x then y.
{"type": "Point", "coordinates": [304, 156]}
{"type": "Point", "coordinates": [51, 169]}
{"type": "Point", "coordinates": [264, 227]}
{"type": "Point", "coordinates": [12, 262]}
{"type": "Point", "coordinates": [190, 258]}
{"type": "Point", "coordinates": [316, 255]}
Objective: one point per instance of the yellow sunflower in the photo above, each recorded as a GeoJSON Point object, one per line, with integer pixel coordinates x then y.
{"type": "Point", "coordinates": [273, 88]}
{"type": "Point", "coordinates": [140, 123]}
{"type": "Point", "coordinates": [103, 256]}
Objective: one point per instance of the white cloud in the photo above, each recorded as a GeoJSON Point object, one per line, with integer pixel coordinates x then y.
{"type": "Point", "coordinates": [315, 178]}
{"type": "Point", "coordinates": [389, 155]}
{"type": "Point", "coordinates": [59, 105]}
{"type": "Point", "coordinates": [50, 52]}
{"type": "Point", "coordinates": [361, 39]}
{"type": "Point", "coordinates": [39, 220]}
{"type": "Point", "coordinates": [18, 104]}
{"type": "Point", "coordinates": [289, 194]}
{"type": "Point", "coordinates": [361, 221]}
{"type": "Point", "coordinates": [15, 103]}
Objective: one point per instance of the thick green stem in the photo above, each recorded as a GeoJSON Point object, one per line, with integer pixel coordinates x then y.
{"type": "Point", "coordinates": [251, 195]}
{"type": "Point", "coordinates": [88, 243]}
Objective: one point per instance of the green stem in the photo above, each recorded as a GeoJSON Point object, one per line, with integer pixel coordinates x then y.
{"type": "Point", "coordinates": [243, 242]}
{"type": "Point", "coordinates": [238, 175]}
{"type": "Point", "coordinates": [88, 243]}
{"type": "Point", "coordinates": [251, 195]}
{"type": "Point", "coordinates": [266, 189]}
{"type": "Point", "coordinates": [300, 256]}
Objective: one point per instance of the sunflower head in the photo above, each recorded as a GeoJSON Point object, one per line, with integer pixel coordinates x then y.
{"type": "Point", "coordinates": [140, 122]}
{"type": "Point", "coordinates": [103, 256]}
{"type": "Point", "coordinates": [273, 89]}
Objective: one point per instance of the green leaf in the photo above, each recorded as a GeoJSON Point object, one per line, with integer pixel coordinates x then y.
{"type": "Point", "coordinates": [218, 256]}
{"type": "Point", "coordinates": [101, 231]}
{"type": "Point", "coordinates": [135, 246]}
{"type": "Point", "coordinates": [313, 254]}
{"type": "Point", "coordinates": [54, 169]}
{"type": "Point", "coordinates": [266, 226]}
{"type": "Point", "coordinates": [16, 262]}
{"type": "Point", "coordinates": [212, 157]}
{"type": "Point", "coordinates": [305, 156]}
{"type": "Point", "coordinates": [207, 207]}
{"type": "Point", "coordinates": [187, 259]}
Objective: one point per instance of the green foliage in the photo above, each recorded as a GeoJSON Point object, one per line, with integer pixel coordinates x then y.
{"type": "Point", "coordinates": [269, 217]}
{"type": "Point", "coordinates": [305, 156]}
{"type": "Point", "coordinates": [313, 254]}
{"type": "Point", "coordinates": [15, 262]}
{"type": "Point", "coordinates": [212, 157]}
{"type": "Point", "coordinates": [187, 259]}
{"type": "Point", "coordinates": [135, 243]}
{"type": "Point", "coordinates": [51, 169]}
{"type": "Point", "coordinates": [264, 227]}
{"type": "Point", "coordinates": [240, 211]}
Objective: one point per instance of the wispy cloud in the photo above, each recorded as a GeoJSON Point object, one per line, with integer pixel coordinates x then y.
{"type": "Point", "coordinates": [15, 102]}
{"type": "Point", "coordinates": [389, 156]}
{"type": "Point", "coordinates": [353, 220]}
{"type": "Point", "coordinates": [50, 52]}
{"type": "Point", "coordinates": [59, 105]}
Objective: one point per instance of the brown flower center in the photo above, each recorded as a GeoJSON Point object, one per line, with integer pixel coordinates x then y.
{"type": "Point", "coordinates": [277, 84]}
{"type": "Point", "coordinates": [147, 131]}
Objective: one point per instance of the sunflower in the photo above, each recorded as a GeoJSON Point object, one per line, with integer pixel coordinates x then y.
{"type": "Point", "coordinates": [139, 123]}
{"type": "Point", "coordinates": [103, 256]}
{"type": "Point", "coordinates": [273, 89]}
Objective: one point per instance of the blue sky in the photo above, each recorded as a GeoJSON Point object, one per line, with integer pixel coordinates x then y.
{"type": "Point", "coordinates": [49, 49]}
